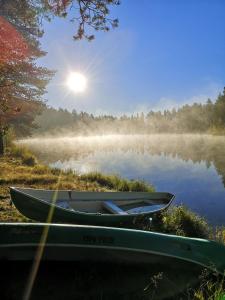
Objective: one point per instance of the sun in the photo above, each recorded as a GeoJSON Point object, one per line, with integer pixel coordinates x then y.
{"type": "Point", "coordinates": [77, 82]}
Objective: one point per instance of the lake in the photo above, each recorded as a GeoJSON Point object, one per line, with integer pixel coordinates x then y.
{"type": "Point", "coordinates": [190, 166]}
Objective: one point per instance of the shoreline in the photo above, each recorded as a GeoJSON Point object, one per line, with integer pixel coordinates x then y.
{"type": "Point", "coordinates": [19, 167]}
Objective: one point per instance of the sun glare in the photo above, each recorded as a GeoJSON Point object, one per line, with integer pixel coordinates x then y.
{"type": "Point", "coordinates": [77, 82]}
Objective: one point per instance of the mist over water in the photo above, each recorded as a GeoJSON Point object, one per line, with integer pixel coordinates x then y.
{"type": "Point", "coordinates": [190, 166]}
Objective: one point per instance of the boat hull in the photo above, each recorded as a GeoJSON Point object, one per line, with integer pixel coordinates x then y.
{"type": "Point", "coordinates": [89, 280]}
{"type": "Point", "coordinates": [19, 241]}
{"type": "Point", "coordinates": [87, 262]}
{"type": "Point", "coordinates": [43, 211]}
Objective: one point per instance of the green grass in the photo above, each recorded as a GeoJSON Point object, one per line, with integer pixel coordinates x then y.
{"type": "Point", "coordinates": [179, 220]}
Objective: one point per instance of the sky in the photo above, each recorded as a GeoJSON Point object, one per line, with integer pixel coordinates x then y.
{"type": "Point", "coordinates": [164, 54]}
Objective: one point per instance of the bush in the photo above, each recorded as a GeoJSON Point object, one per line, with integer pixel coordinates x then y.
{"type": "Point", "coordinates": [181, 221]}
{"type": "Point", "coordinates": [29, 160]}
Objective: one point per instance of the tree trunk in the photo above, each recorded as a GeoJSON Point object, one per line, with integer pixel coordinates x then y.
{"type": "Point", "coordinates": [2, 146]}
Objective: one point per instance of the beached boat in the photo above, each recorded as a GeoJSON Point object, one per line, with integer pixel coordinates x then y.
{"type": "Point", "coordinates": [91, 259]}
{"type": "Point", "coordinates": [64, 242]}
{"type": "Point", "coordinates": [92, 208]}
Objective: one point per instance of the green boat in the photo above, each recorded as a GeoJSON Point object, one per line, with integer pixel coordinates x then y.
{"type": "Point", "coordinates": [92, 208]}
{"type": "Point", "coordinates": [110, 260]}
{"type": "Point", "coordinates": [79, 242]}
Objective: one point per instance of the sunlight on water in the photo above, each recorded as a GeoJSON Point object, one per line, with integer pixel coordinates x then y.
{"type": "Point", "coordinates": [190, 166]}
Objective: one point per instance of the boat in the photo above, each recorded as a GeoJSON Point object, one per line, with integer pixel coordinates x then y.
{"type": "Point", "coordinates": [66, 242]}
{"type": "Point", "coordinates": [91, 208]}
{"type": "Point", "coordinates": [108, 259]}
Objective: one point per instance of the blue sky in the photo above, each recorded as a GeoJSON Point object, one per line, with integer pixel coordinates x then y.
{"type": "Point", "coordinates": [164, 54]}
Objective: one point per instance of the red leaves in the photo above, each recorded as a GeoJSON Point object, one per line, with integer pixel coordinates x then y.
{"type": "Point", "coordinates": [13, 47]}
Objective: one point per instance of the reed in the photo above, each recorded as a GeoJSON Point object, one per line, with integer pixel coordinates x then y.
{"type": "Point", "coordinates": [115, 182]}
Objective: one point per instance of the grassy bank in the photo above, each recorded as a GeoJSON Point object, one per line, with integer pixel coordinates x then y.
{"type": "Point", "coordinates": [19, 167]}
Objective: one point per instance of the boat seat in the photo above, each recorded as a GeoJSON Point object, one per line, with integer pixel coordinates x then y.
{"type": "Point", "coordinates": [110, 206]}
{"type": "Point", "coordinates": [145, 209]}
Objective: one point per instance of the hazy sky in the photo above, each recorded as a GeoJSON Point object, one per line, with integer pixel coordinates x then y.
{"type": "Point", "coordinates": [165, 53]}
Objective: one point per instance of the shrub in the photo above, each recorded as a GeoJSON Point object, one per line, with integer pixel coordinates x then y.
{"type": "Point", "coordinates": [180, 220]}
{"type": "Point", "coordinates": [29, 160]}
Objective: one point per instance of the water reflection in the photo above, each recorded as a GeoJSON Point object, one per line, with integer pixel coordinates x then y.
{"type": "Point", "coordinates": [190, 166]}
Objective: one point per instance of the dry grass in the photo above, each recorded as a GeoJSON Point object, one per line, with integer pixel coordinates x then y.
{"type": "Point", "coordinates": [13, 172]}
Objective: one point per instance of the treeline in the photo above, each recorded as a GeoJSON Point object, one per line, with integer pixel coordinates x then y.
{"type": "Point", "coordinates": [196, 118]}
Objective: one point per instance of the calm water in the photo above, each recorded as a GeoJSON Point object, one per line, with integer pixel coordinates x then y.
{"type": "Point", "coordinates": [190, 166]}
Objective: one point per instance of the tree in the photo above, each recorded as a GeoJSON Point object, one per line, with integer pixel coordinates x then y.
{"type": "Point", "coordinates": [22, 82]}
{"type": "Point", "coordinates": [220, 110]}
{"type": "Point", "coordinates": [87, 13]}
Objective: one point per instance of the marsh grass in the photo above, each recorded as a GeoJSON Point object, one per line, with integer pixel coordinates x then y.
{"type": "Point", "coordinates": [209, 288]}
{"type": "Point", "coordinates": [179, 220]}
{"type": "Point", "coordinates": [24, 154]}
{"type": "Point", "coordinates": [219, 235]}
{"type": "Point", "coordinates": [115, 182]}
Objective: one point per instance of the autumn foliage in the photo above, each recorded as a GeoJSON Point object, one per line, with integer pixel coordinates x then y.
{"type": "Point", "coordinates": [13, 47]}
